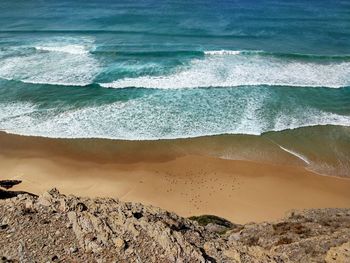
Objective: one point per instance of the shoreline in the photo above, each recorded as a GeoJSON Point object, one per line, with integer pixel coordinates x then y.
{"type": "Point", "coordinates": [178, 176]}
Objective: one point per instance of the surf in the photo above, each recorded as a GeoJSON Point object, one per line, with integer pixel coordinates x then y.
{"type": "Point", "coordinates": [80, 62]}
{"type": "Point", "coordinates": [53, 62]}
{"type": "Point", "coordinates": [70, 49]}
{"type": "Point", "coordinates": [233, 68]}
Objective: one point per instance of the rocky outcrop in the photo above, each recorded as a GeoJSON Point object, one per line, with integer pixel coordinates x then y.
{"type": "Point", "coordinates": [58, 228]}
{"type": "Point", "coordinates": [7, 184]}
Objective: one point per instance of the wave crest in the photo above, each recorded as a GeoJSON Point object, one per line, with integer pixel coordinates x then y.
{"type": "Point", "coordinates": [70, 49]}
{"type": "Point", "coordinates": [56, 63]}
{"type": "Point", "coordinates": [223, 52]}
{"type": "Point", "coordinates": [236, 68]}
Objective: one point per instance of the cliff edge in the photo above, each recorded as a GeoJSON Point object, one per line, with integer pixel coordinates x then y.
{"type": "Point", "coordinates": [58, 228]}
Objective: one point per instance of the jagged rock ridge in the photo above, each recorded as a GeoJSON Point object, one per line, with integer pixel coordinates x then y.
{"type": "Point", "coordinates": [59, 228]}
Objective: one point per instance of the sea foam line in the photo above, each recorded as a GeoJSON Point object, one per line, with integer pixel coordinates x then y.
{"type": "Point", "coordinates": [233, 71]}
{"type": "Point", "coordinates": [71, 49]}
{"type": "Point", "coordinates": [223, 52]}
{"type": "Point", "coordinates": [298, 155]}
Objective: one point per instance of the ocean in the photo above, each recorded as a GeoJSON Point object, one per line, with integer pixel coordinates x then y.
{"type": "Point", "coordinates": [150, 70]}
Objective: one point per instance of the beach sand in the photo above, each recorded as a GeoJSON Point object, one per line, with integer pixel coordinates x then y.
{"type": "Point", "coordinates": [171, 175]}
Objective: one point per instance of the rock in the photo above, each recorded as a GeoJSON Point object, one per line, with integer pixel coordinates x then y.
{"type": "Point", "coordinates": [233, 255]}
{"type": "Point", "coordinates": [4, 227]}
{"type": "Point", "coordinates": [73, 250]}
{"type": "Point", "coordinates": [7, 184]}
{"type": "Point", "coordinates": [23, 253]}
{"type": "Point", "coordinates": [108, 230]}
{"type": "Point", "coordinates": [204, 220]}
{"type": "Point", "coordinates": [45, 199]}
{"type": "Point", "coordinates": [81, 207]}
{"type": "Point", "coordinates": [119, 244]}
{"type": "Point", "coordinates": [339, 254]}
{"type": "Point", "coordinates": [62, 205]}
{"type": "Point", "coordinates": [214, 228]}
{"type": "Point", "coordinates": [235, 236]}
{"type": "Point", "coordinates": [4, 259]}
{"type": "Point", "coordinates": [29, 205]}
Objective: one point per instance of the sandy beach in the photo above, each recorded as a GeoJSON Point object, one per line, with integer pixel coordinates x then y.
{"type": "Point", "coordinates": [188, 184]}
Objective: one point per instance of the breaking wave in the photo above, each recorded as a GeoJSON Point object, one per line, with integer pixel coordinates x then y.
{"type": "Point", "coordinates": [53, 63]}
{"type": "Point", "coordinates": [71, 49]}
{"type": "Point", "coordinates": [226, 68]}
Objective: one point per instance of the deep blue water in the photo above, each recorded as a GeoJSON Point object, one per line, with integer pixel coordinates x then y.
{"type": "Point", "coordinates": [169, 69]}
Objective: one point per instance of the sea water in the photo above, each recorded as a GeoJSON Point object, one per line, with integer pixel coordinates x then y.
{"type": "Point", "coordinates": [146, 70]}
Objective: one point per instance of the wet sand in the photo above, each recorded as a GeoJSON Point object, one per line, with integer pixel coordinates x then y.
{"type": "Point", "coordinates": [169, 175]}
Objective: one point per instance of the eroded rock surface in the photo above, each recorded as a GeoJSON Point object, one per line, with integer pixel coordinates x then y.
{"type": "Point", "coordinates": [58, 228]}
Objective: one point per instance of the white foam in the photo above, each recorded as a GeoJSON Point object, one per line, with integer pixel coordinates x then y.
{"type": "Point", "coordinates": [11, 110]}
{"type": "Point", "coordinates": [308, 117]}
{"type": "Point", "coordinates": [222, 52]}
{"type": "Point", "coordinates": [148, 118]}
{"type": "Point", "coordinates": [71, 49]}
{"type": "Point", "coordinates": [240, 70]}
{"type": "Point", "coordinates": [63, 64]}
{"type": "Point", "coordinates": [298, 155]}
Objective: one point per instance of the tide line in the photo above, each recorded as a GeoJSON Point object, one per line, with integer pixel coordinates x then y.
{"type": "Point", "coordinates": [298, 155]}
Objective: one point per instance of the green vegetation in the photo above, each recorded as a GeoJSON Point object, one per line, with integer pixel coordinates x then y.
{"type": "Point", "coordinates": [204, 220]}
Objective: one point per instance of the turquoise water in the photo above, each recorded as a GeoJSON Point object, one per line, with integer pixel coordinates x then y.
{"type": "Point", "coordinates": [172, 69]}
